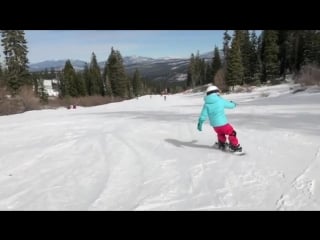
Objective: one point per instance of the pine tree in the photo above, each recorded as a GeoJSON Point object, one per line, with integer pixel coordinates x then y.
{"type": "Point", "coordinates": [190, 75]}
{"type": "Point", "coordinates": [46, 74]}
{"type": "Point", "coordinates": [59, 75]}
{"type": "Point", "coordinates": [35, 81]}
{"type": "Point", "coordinates": [226, 47]}
{"type": "Point", "coordinates": [15, 51]}
{"type": "Point", "coordinates": [216, 62]}
{"type": "Point", "coordinates": [96, 84]}
{"type": "Point", "coordinates": [283, 51]}
{"type": "Point", "coordinates": [116, 74]}
{"type": "Point", "coordinates": [80, 84]}
{"type": "Point", "coordinates": [234, 64]}
{"type": "Point", "coordinates": [209, 76]}
{"type": "Point", "coordinates": [311, 48]}
{"type": "Point", "coordinates": [69, 83]}
{"type": "Point", "coordinates": [197, 70]}
{"type": "Point", "coordinates": [42, 93]}
{"type": "Point", "coordinates": [130, 93]}
{"type": "Point", "coordinates": [145, 86]}
{"type": "Point", "coordinates": [203, 70]}
{"type": "Point", "coordinates": [1, 76]}
{"type": "Point", "coordinates": [317, 47]}
{"type": "Point", "coordinates": [52, 74]}
{"type": "Point", "coordinates": [245, 47]}
{"type": "Point", "coordinates": [270, 52]}
{"type": "Point", "coordinates": [136, 83]}
{"type": "Point", "coordinates": [106, 81]}
{"type": "Point", "coordinates": [295, 50]}
{"type": "Point", "coordinates": [86, 78]}
{"type": "Point", "coordinates": [255, 69]}
{"type": "Point", "coordinates": [105, 78]}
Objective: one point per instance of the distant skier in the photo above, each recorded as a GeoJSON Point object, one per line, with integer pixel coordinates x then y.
{"type": "Point", "coordinates": [213, 108]}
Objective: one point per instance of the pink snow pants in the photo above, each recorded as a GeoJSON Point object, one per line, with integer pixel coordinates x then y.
{"type": "Point", "coordinates": [228, 130]}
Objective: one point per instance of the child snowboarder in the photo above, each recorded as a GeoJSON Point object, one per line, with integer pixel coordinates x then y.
{"type": "Point", "coordinates": [213, 109]}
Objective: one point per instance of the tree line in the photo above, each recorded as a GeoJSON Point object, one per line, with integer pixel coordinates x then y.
{"type": "Point", "coordinates": [110, 81]}
{"type": "Point", "coordinates": [250, 59]}
{"type": "Point", "coordinates": [244, 59]}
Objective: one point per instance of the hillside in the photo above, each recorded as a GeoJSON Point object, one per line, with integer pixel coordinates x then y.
{"type": "Point", "coordinates": [172, 69]}
{"type": "Point", "coordinates": [147, 154]}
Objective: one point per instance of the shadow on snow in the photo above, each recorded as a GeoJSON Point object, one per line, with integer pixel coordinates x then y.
{"type": "Point", "coordinates": [192, 143]}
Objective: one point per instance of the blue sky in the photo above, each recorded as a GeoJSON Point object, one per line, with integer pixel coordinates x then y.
{"type": "Point", "coordinates": [74, 44]}
{"type": "Point", "coordinates": [79, 44]}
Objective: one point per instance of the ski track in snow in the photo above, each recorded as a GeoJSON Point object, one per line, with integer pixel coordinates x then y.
{"type": "Point", "coordinates": [302, 189]}
{"type": "Point", "coordinates": [153, 158]}
{"type": "Point", "coordinates": [118, 173]}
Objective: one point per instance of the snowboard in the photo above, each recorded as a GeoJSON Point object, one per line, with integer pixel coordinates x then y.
{"type": "Point", "coordinates": [228, 150]}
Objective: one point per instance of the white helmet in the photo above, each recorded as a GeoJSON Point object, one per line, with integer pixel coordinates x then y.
{"type": "Point", "coordinates": [212, 89]}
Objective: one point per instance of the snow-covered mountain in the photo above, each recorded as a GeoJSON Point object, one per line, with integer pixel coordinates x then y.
{"type": "Point", "coordinates": [173, 69]}
{"type": "Point", "coordinates": [56, 64]}
{"type": "Point", "coordinates": [135, 59]}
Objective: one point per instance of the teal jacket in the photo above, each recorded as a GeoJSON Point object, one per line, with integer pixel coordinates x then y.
{"type": "Point", "coordinates": [213, 108]}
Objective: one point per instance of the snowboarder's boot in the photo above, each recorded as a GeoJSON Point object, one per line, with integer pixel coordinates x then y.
{"type": "Point", "coordinates": [235, 149]}
{"type": "Point", "coordinates": [222, 145]}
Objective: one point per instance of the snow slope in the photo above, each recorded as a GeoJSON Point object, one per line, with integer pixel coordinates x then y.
{"type": "Point", "coordinates": [147, 154]}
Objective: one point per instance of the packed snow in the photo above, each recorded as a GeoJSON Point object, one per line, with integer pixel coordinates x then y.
{"type": "Point", "coordinates": [147, 154]}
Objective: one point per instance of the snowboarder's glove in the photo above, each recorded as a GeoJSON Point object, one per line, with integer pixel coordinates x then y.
{"type": "Point", "coordinates": [234, 103]}
{"type": "Point", "coordinates": [200, 122]}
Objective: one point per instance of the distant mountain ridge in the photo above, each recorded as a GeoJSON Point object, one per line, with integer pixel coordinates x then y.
{"type": "Point", "coordinates": [172, 69]}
